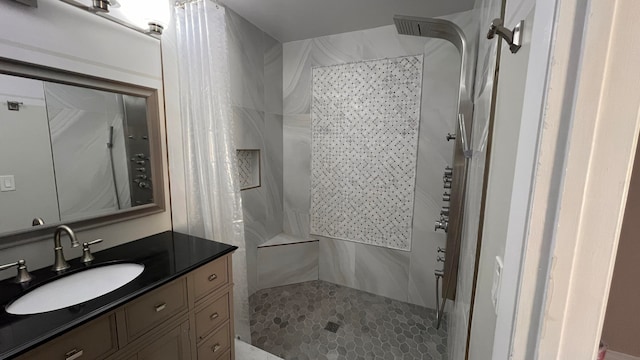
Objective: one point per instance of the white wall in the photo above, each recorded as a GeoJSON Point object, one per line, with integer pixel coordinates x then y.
{"type": "Point", "coordinates": [63, 37]}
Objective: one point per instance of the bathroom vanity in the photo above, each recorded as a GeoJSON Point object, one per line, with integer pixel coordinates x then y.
{"type": "Point", "coordinates": [179, 307]}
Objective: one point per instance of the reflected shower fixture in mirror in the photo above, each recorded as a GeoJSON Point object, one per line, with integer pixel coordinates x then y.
{"type": "Point", "coordinates": [89, 150]}
{"type": "Point", "coordinates": [30, 3]}
{"type": "Point", "coordinates": [149, 17]}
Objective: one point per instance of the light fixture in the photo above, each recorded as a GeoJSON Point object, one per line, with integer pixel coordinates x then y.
{"type": "Point", "coordinates": [147, 16]}
{"type": "Point", "coordinates": [155, 28]}
{"type": "Point", "coordinates": [150, 15]}
{"type": "Point", "coordinates": [101, 5]}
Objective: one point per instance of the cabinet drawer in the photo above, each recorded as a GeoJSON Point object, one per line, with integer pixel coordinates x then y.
{"type": "Point", "coordinates": [210, 277]}
{"type": "Point", "coordinates": [211, 316]}
{"type": "Point", "coordinates": [154, 308]}
{"type": "Point", "coordinates": [93, 341]}
{"type": "Point", "coordinates": [215, 346]}
{"type": "Point", "coordinates": [226, 355]}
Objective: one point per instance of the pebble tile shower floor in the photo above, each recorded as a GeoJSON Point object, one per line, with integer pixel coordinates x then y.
{"type": "Point", "coordinates": [321, 320]}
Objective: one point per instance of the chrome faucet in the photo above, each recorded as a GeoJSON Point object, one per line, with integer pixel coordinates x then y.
{"type": "Point", "coordinates": [60, 263]}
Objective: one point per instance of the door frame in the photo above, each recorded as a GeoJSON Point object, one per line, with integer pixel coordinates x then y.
{"type": "Point", "coordinates": [587, 146]}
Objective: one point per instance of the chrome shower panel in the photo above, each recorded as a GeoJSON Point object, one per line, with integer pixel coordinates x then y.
{"type": "Point", "coordinates": [446, 30]}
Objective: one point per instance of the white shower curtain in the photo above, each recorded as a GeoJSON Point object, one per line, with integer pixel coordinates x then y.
{"type": "Point", "coordinates": [214, 205]}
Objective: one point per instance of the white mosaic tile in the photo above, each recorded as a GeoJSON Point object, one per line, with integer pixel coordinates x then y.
{"type": "Point", "coordinates": [364, 125]}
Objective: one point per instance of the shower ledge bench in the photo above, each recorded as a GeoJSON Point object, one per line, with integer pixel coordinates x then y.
{"type": "Point", "coordinates": [286, 259]}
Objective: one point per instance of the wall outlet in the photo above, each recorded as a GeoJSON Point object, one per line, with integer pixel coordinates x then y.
{"type": "Point", "coordinates": [495, 287]}
{"type": "Point", "coordinates": [7, 183]}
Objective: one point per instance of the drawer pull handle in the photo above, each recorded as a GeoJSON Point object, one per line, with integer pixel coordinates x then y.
{"type": "Point", "coordinates": [213, 277]}
{"type": "Point", "coordinates": [215, 347]}
{"type": "Point", "coordinates": [161, 307]}
{"type": "Point", "coordinates": [74, 354]}
{"type": "Point", "coordinates": [214, 316]}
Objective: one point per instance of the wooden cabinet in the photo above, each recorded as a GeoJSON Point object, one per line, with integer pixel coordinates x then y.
{"type": "Point", "coordinates": [172, 346]}
{"type": "Point", "coordinates": [212, 311]}
{"type": "Point", "coordinates": [211, 314]}
{"type": "Point", "coordinates": [95, 340]}
{"type": "Point", "coordinates": [211, 276]}
{"type": "Point", "coordinates": [154, 308]}
{"type": "Point", "coordinates": [187, 319]}
{"type": "Point", "coordinates": [216, 344]}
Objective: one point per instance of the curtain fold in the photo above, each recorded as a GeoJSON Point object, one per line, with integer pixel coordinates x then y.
{"type": "Point", "coordinates": [214, 205]}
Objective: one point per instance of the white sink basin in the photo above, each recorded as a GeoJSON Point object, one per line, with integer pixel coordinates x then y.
{"type": "Point", "coordinates": [75, 288]}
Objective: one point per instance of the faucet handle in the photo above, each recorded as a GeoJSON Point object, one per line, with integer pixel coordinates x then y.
{"type": "Point", "coordinates": [87, 257]}
{"type": "Point", "coordinates": [23, 275]}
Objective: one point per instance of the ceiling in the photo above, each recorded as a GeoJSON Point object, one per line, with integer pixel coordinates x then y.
{"type": "Point", "coordinates": [289, 20]}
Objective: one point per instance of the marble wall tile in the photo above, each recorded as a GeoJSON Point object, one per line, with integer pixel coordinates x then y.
{"type": "Point", "coordinates": [272, 173]}
{"type": "Point", "coordinates": [255, 211]}
{"type": "Point", "coordinates": [301, 56]}
{"type": "Point", "coordinates": [296, 74]}
{"type": "Point", "coordinates": [248, 128]}
{"type": "Point", "coordinates": [246, 60]}
{"type": "Point", "coordinates": [337, 261]}
{"type": "Point", "coordinates": [296, 222]}
{"type": "Point", "coordinates": [287, 264]}
{"type": "Point", "coordinates": [382, 271]}
{"type": "Point", "coordinates": [338, 49]}
{"type": "Point", "coordinates": [256, 87]}
{"type": "Point", "coordinates": [297, 174]}
{"type": "Point", "coordinates": [385, 42]}
{"type": "Point", "coordinates": [440, 99]}
{"type": "Point", "coordinates": [272, 75]}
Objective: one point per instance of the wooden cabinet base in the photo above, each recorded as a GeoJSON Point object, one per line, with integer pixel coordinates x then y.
{"type": "Point", "coordinates": [187, 319]}
{"type": "Point", "coordinates": [172, 346]}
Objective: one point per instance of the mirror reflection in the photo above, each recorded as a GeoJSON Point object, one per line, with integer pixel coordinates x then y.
{"type": "Point", "coordinates": [69, 152]}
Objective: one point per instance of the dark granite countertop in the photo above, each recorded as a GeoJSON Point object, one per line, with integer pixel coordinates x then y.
{"type": "Point", "coordinates": [166, 256]}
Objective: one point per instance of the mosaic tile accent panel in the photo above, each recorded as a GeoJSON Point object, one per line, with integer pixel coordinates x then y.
{"type": "Point", "coordinates": [321, 320]}
{"type": "Point", "coordinates": [365, 119]}
{"type": "Point", "coordinates": [248, 168]}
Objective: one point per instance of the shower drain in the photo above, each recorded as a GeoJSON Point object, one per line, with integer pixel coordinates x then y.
{"type": "Point", "coordinates": [331, 326]}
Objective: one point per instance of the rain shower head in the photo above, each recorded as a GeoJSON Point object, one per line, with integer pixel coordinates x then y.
{"type": "Point", "coordinates": [430, 27]}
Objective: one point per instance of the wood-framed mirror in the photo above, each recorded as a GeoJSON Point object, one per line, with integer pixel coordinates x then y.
{"type": "Point", "coordinates": [75, 150]}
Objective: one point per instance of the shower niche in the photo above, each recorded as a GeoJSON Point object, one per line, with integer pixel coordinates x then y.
{"type": "Point", "coordinates": [248, 168]}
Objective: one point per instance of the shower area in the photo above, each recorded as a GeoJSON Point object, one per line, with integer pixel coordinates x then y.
{"type": "Point", "coordinates": [350, 147]}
